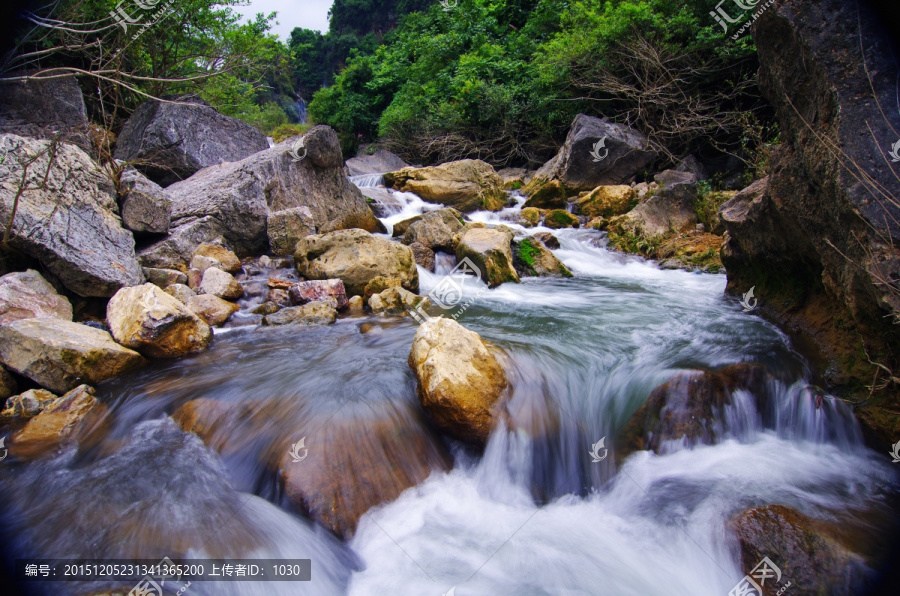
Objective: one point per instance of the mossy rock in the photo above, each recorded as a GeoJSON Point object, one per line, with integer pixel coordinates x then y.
{"type": "Point", "coordinates": [560, 218]}
{"type": "Point", "coordinates": [546, 195]}
{"type": "Point", "coordinates": [530, 217]}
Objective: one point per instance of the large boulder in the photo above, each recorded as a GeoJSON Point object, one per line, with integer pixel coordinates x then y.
{"type": "Point", "coordinates": [27, 295]}
{"type": "Point", "coordinates": [287, 227]}
{"type": "Point", "coordinates": [43, 109]}
{"type": "Point", "coordinates": [147, 319]}
{"type": "Point", "coordinates": [146, 206]}
{"type": "Point", "coordinates": [378, 163]}
{"type": "Point", "coordinates": [623, 153]}
{"type": "Point", "coordinates": [60, 355]}
{"type": "Point", "coordinates": [233, 201]}
{"type": "Point", "coordinates": [171, 140]}
{"type": "Point", "coordinates": [437, 230]}
{"type": "Point", "coordinates": [70, 223]}
{"type": "Point", "coordinates": [531, 258]}
{"type": "Point", "coordinates": [809, 559]}
{"type": "Point", "coordinates": [821, 245]}
{"type": "Point", "coordinates": [460, 379]}
{"type": "Point", "coordinates": [489, 249]}
{"type": "Point", "coordinates": [466, 185]}
{"type": "Point", "coordinates": [356, 257]}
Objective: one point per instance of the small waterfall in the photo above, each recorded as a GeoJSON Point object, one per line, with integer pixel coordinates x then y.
{"type": "Point", "coordinates": [368, 180]}
{"type": "Point", "coordinates": [300, 106]}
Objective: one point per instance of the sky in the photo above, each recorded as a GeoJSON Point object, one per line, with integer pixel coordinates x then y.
{"type": "Point", "coordinates": [309, 14]}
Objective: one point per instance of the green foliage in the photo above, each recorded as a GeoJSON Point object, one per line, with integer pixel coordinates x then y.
{"type": "Point", "coordinates": [286, 131]}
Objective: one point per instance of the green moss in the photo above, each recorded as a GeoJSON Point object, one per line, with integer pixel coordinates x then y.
{"type": "Point", "coordinates": [527, 252]}
{"type": "Point", "coordinates": [286, 131]}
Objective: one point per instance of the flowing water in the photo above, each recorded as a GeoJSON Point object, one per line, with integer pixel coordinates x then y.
{"type": "Point", "coordinates": [532, 515]}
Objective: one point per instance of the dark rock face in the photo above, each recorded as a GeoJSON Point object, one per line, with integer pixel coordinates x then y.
{"type": "Point", "coordinates": [171, 141]}
{"type": "Point", "coordinates": [579, 166]}
{"type": "Point", "coordinates": [71, 224]}
{"type": "Point", "coordinates": [801, 549]}
{"type": "Point", "coordinates": [233, 202]}
{"type": "Point", "coordinates": [819, 243]}
{"type": "Point", "coordinates": [38, 108]}
{"type": "Point", "coordinates": [146, 206]}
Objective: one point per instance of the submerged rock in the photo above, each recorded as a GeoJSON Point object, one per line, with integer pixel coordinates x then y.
{"type": "Point", "coordinates": [171, 141]}
{"type": "Point", "coordinates": [60, 355]}
{"type": "Point", "coordinates": [356, 257]}
{"type": "Point", "coordinates": [489, 249]}
{"type": "Point", "coordinates": [57, 423]}
{"type": "Point", "coordinates": [810, 561]}
{"type": "Point", "coordinates": [467, 185]}
{"type": "Point", "coordinates": [71, 223]}
{"type": "Point", "coordinates": [27, 295]}
{"type": "Point", "coordinates": [155, 324]}
{"type": "Point", "coordinates": [460, 379]}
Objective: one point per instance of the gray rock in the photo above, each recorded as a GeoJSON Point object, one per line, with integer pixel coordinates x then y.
{"type": "Point", "coordinates": [424, 256]}
{"type": "Point", "coordinates": [146, 206]}
{"type": "Point", "coordinates": [575, 166]}
{"type": "Point", "coordinates": [314, 313]}
{"type": "Point", "coordinates": [396, 301]}
{"type": "Point", "coordinates": [380, 162]}
{"type": "Point", "coordinates": [171, 141]}
{"type": "Point", "coordinates": [438, 230]}
{"type": "Point", "coordinates": [670, 209]}
{"type": "Point", "coordinates": [330, 291]}
{"type": "Point", "coordinates": [71, 225]}
{"type": "Point", "coordinates": [287, 227]}
{"type": "Point", "coordinates": [233, 201]}
{"type": "Point", "coordinates": [180, 292]}
{"type": "Point", "coordinates": [164, 277]}
{"type": "Point", "coordinates": [27, 295]}
{"type": "Point", "coordinates": [41, 109]}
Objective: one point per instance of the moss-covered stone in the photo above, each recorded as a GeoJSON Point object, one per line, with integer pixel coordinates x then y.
{"type": "Point", "coordinates": [560, 218]}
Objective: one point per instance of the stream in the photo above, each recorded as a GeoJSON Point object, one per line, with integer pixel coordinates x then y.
{"type": "Point", "coordinates": [533, 515]}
